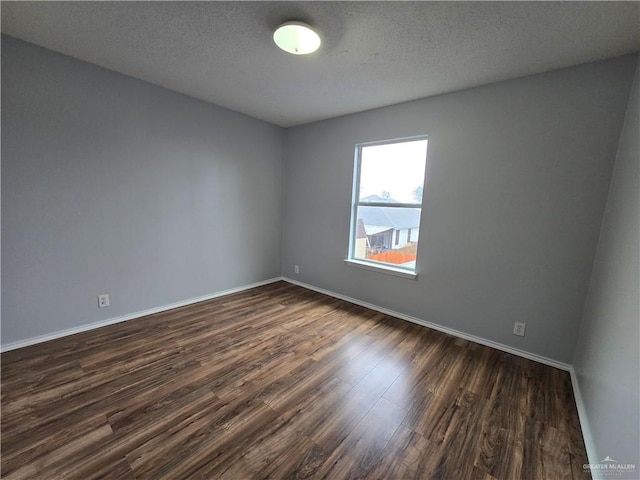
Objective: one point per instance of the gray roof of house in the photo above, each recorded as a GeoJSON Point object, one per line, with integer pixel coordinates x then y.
{"type": "Point", "coordinates": [398, 218]}
{"type": "Point", "coordinates": [378, 199]}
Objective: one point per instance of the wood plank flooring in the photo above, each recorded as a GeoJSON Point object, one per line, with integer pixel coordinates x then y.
{"type": "Point", "coordinates": [281, 382]}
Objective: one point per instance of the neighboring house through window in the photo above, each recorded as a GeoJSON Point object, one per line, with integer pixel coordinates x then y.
{"type": "Point", "coordinates": [387, 203]}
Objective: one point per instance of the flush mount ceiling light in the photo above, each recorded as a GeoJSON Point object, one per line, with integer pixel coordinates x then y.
{"type": "Point", "coordinates": [297, 38]}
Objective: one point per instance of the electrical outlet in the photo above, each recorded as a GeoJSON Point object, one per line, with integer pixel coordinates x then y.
{"type": "Point", "coordinates": [296, 269]}
{"type": "Point", "coordinates": [519, 328]}
{"type": "Point", "coordinates": [103, 300]}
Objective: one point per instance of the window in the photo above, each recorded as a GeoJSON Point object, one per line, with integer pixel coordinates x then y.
{"type": "Point", "coordinates": [387, 203]}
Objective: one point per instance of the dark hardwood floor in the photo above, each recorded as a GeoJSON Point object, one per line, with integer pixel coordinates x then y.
{"type": "Point", "coordinates": [282, 382]}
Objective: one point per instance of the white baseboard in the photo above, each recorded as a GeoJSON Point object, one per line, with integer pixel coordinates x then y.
{"type": "Point", "coordinates": [440, 328]}
{"type": "Point", "coordinates": [131, 316]}
{"type": "Point", "coordinates": [584, 423]}
{"type": "Point", "coordinates": [582, 414]}
{"type": "Point", "coordinates": [456, 333]}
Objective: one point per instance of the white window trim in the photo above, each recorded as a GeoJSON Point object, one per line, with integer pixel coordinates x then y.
{"type": "Point", "coordinates": [355, 202]}
{"type": "Point", "coordinates": [381, 268]}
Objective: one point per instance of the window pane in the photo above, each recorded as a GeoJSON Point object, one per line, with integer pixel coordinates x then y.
{"type": "Point", "coordinates": [387, 234]}
{"type": "Point", "coordinates": [393, 172]}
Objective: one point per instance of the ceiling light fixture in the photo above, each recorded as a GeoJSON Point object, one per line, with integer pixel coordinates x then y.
{"type": "Point", "coordinates": [297, 38]}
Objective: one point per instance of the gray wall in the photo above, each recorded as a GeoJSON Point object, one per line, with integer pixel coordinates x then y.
{"type": "Point", "coordinates": [114, 185]}
{"type": "Point", "coordinates": [607, 356]}
{"type": "Point", "coordinates": [517, 177]}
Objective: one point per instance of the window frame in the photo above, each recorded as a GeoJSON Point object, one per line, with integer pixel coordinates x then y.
{"type": "Point", "coordinates": [355, 203]}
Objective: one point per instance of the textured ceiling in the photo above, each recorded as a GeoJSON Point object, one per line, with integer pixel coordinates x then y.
{"type": "Point", "coordinates": [373, 53]}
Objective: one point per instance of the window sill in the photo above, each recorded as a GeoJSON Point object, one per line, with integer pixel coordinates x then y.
{"type": "Point", "coordinates": [380, 268]}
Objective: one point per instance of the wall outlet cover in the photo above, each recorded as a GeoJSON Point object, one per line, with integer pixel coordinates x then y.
{"type": "Point", "coordinates": [519, 328]}
{"type": "Point", "coordinates": [103, 300]}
